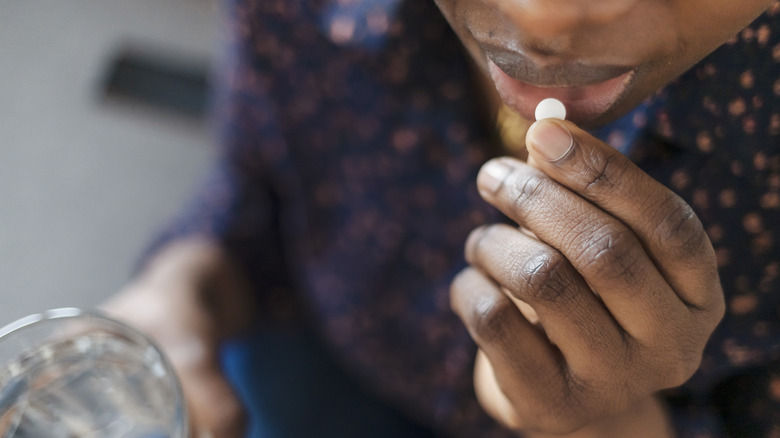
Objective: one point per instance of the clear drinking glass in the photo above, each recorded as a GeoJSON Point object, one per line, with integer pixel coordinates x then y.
{"type": "Point", "coordinates": [77, 373]}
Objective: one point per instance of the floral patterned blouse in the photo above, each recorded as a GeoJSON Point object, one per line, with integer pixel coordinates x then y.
{"type": "Point", "coordinates": [351, 138]}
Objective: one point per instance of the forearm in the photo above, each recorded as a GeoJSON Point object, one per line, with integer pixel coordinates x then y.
{"type": "Point", "coordinates": [188, 298]}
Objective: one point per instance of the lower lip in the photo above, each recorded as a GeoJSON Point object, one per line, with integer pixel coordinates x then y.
{"type": "Point", "coordinates": [583, 104]}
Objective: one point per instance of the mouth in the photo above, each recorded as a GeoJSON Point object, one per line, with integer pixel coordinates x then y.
{"type": "Point", "coordinates": [587, 91]}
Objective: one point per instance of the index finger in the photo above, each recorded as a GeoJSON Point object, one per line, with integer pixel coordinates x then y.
{"type": "Point", "coordinates": [665, 224]}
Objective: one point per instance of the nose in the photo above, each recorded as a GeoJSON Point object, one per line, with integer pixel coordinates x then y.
{"type": "Point", "coordinates": [560, 24]}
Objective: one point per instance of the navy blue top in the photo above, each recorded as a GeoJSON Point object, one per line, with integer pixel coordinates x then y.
{"type": "Point", "coordinates": [352, 136]}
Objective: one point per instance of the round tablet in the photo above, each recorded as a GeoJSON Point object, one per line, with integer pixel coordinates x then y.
{"type": "Point", "coordinates": [550, 108]}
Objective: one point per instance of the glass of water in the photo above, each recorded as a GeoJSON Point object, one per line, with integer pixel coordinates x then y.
{"type": "Point", "coordinates": [69, 373]}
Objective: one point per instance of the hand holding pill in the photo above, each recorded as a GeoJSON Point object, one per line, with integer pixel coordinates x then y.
{"type": "Point", "coordinates": [617, 268]}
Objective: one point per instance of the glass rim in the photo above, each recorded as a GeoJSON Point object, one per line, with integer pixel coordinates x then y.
{"type": "Point", "coordinates": [137, 335]}
{"type": "Point", "coordinates": [59, 313]}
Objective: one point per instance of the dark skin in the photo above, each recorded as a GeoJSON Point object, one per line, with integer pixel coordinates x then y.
{"type": "Point", "coordinates": [615, 267]}
{"type": "Point", "coordinates": [621, 275]}
{"type": "Point", "coordinates": [608, 291]}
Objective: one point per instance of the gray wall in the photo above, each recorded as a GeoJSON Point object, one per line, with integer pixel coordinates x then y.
{"type": "Point", "coordinates": [84, 182]}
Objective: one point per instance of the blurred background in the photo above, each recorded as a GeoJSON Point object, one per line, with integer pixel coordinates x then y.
{"type": "Point", "coordinates": [102, 139]}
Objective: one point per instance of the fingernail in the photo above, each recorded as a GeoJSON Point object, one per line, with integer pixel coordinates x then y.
{"type": "Point", "coordinates": [550, 139]}
{"type": "Point", "coordinates": [492, 175]}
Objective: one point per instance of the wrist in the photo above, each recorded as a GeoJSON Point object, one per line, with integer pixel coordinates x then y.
{"type": "Point", "coordinates": [648, 418]}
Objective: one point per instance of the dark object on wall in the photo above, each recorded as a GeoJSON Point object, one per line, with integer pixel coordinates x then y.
{"type": "Point", "coordinates": [164, 81]}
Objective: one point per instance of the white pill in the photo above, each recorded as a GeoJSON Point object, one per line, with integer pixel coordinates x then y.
{"type": "Point", "coordinates": [550, 108]}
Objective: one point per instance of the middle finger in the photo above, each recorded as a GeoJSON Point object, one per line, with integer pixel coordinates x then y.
{"type": "Point", "coordinates": [572, 316]}
{"type": "Point", "coordinates": [601, 248]}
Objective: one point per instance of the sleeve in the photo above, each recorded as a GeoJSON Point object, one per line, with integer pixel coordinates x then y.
{"type": "Point", "coordinates": [237, 204]}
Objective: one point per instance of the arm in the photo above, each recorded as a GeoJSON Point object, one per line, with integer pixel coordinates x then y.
{"type": "Point", "coordinates": [188, 299]}
{"type": "Point", "coordinates": [206, 276]}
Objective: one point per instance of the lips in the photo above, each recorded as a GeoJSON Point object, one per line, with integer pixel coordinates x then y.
{"type": "Point", "coordinates": [587, 91]}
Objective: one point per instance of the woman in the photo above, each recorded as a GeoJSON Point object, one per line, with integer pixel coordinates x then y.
{"type": "Point", "coordinates": [353, 134]}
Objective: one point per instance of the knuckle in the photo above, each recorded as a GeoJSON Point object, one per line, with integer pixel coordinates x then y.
{"type": "Point", "coordinates": [686, 364]}
{"type": "Point", "coordinates": [532, 185]}
{"type": "Point", "coordinates": [600, 172]}
{"type": "Point", "coordinates": [611, 253]}
{"type": "Point", "coordinates": [489, 318]}
{"type": "Point", "coordinates": [711, 313]}
{"type": "Point", "coordinates": [681, 231]}
{"type": "Point", "coordinates": [540, 277]}
{"type": "Point", "coordinates": [717, 310]}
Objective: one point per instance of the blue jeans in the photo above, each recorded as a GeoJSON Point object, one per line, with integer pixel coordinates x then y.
{"type": "Point", "coordinates": [292, 388]}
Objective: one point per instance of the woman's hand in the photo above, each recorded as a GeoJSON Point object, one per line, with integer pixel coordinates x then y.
{"type": "Point", "coordinates": [616, 267]}
{"type": "Point", "coordinates": [188, 299]}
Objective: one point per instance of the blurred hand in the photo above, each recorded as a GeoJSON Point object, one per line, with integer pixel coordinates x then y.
{"type": "Point", "coordinates": [187, 300]}
{"type": "Point", "coordinates": [607, 294]}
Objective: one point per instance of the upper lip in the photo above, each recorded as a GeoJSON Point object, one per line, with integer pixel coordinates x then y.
{"type": "Point", "coordinates": [564, 73]}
